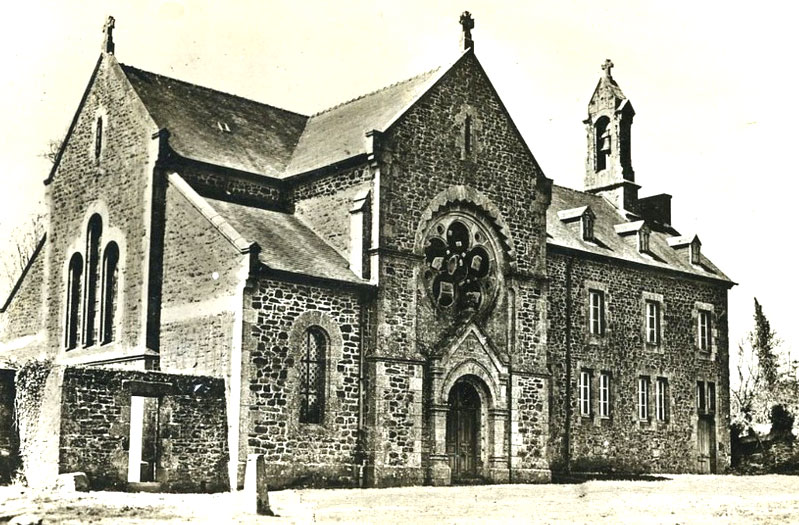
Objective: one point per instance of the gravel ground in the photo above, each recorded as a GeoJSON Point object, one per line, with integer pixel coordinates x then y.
{"type": "Point", "coordinates": [678, 499]}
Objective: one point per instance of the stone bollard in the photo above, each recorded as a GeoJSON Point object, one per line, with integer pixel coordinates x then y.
{"type": "Point", "coordinates": [255, 486]}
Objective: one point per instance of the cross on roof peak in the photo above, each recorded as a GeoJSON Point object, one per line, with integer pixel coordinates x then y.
{"type": "Point", "coordinates": [467, 23]}
{"type": "Point", "coordinates": [607, 66]}
{"type": "Point", "coordinates": [108, 39]}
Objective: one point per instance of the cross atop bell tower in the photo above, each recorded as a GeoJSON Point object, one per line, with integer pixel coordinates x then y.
{"type": "Point", "coordinates": [108, 38]}
{"type": "Point", "coordinates": [467, 23]}
{"type": "Point", "coordinates": [606, 67]}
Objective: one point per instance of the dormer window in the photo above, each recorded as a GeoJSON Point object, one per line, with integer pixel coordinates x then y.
{"type": "Point", "coordinates": [588, 226]}
{"type": "Point", "coordinates": [640, 229]}
{"type": "Point", "coordinates": [690, 246]}
{"type": "Point", "coordinates": [643, 240]}
{"type": "Point", "coordinates": [586, 217]}
{"type": "Point", "coordinates": [696, 246]}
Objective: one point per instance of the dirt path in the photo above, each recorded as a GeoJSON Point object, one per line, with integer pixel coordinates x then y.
{"type": "Point", "coordinates": [681, 499]}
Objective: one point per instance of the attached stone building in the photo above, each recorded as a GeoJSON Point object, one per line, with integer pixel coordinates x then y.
{"type": "Point", "coordinates": [387, 292]}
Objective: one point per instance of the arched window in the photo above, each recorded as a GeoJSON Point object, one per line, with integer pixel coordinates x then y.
{"type": "Point", "coordinates": [98, 138]}
{"type": "Point", "coordinates": [74, 279]}
{"type": "Point", "coordinates": [602, 140]}
{"type": "Point", "coordinates": [109, 291]}
{"type": "Point", "coordinates": [90, 309]}
{"type": "Point", "coordinates": [312, 376]}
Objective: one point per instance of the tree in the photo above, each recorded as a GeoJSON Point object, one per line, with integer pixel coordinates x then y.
{"type": "Point", "coordinates": [764, 341]}
{"type": "Point", "coordinates": [758, 374]}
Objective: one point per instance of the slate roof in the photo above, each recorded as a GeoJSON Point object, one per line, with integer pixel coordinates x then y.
{"type": "Point", "coordinates": [610, 244]}
{"type": "Point", "coordinates": [286, 243]}
{"type": "Point", "coordinates": [338, 133]}
{"type": "Point", "coordinates": [234, 132]}
{"type": "Point", "coordinates": [261, 138]}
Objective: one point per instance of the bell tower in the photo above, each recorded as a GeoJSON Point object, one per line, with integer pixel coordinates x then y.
{"type": "Point", "coordinates": [608, 168]}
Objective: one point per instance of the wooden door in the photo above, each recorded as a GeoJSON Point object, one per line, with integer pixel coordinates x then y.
{"type": "Point", "coordinates": [463, 429]}
{"type": "Point", "coordinates": [706, 444]}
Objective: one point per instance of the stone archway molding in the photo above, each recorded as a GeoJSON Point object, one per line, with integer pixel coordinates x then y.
{"type": "Point", "coordinates": [466, 195]}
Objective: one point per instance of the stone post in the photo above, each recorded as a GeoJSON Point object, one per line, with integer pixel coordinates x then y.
{"type": "Point", "coordinates": [255, 486]}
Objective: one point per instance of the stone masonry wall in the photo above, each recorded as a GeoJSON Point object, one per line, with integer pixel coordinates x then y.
{"type": "Point", "coordinates": [264, 192]}
{"type": "Point", "coordinates": [302, 453]}
{"type": "Point", "coordinates": [622, 441]}
{"type": "Point", "coordinates": [24, 315]}
{"type": "Point", "coordinates": [192, 427]}
{"type": "Point", "coordinates": [324, 203]}
{"type": "Point", "coordinates": [116, 185]}
{"type": "Point", "coordinates": [201, 274]}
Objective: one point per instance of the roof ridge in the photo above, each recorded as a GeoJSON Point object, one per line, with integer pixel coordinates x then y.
{"type": "Point", "coordinates": [206, 88]}
{"type": "Point", "coordinates": [359, 97]}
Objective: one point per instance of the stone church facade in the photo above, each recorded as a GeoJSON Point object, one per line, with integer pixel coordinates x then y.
{"type": "Point", "coordinates": [388, 292]}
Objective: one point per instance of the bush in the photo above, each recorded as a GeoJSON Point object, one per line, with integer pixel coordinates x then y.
{"type": "Point", "coordinates": [781, 422]}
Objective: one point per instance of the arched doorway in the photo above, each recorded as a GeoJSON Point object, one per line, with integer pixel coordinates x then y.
{"type": "Point", "coordinates": [463, 431]}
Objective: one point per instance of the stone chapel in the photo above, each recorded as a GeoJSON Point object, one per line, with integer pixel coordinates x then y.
{"type": "Point", "coordinates": [387, 292]}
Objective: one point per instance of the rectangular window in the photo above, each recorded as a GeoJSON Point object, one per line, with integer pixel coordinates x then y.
{"type": "Point", "coordinates": [643, 398]}
{"type": "Point", "coordinates": [585, 393]}
{"type": "Point", "coordinates": [661, 399]}
{"type": "Point", "coordinates": [604, 394]}
{"type": "Point", "coordinates": [596, 314]}
{"type": "Point", "coordinates": [652, 322]}
{"type": "Point", "coordinates": [700, 397]}
{"type": "Point", "coordinates": [704, 331]}
{"type": "Point", "coordinates": [711, 397]}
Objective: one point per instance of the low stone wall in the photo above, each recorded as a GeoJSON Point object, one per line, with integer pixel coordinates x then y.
{"type": "Point", "coordinates": [191, 428]}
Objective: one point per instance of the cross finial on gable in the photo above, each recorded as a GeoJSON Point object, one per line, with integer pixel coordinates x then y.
{"type": "Point", "coordinates": [467, 23]}
{"type": "Point", "coordinates": [607, 66]}
{"type": "Point", "coordinates": [108, 39]}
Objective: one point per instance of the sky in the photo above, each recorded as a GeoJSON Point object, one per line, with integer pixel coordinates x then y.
{"type": "Point", "coordinates": [713, 85]}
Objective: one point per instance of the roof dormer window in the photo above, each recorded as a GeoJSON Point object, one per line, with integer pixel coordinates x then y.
{"type": "Point", "coordinates": [696, 246]}
{"type": "Point", "coordinates": [585, 215]}
{"type": "Point", "coordinates": [640, 229]}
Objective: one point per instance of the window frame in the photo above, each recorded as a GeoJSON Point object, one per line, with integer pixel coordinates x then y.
{"type": "Point", "coordinates": [584, 393]}
{"type": "Point", "coordinates": [652, 322]}
{"type": "Point", "coordinates": [661, 399]}
{"type": "Point", "coordinates": [704, 332]}
{"type": "Point", "coordinates": [307, 390]}
{"type": "Point", "coordinates": [604, 394]}
{"type": "Point", "coordinates": [643, 398]}
{"type": "Point", "coordinates": [596, 312]}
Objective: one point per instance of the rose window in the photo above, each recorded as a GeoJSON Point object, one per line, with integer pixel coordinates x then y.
{"type": "Point", "coordinates": [460, 265]}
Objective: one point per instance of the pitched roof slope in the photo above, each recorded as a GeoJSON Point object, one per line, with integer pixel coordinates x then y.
{"type": "Point", "coordinates": [338, 133]}
{"type": "Point", "coordinates": [286, 243]}
{"type": "Point", "coordinates": [219, 128]}
{"type": "Point", "coordinates": [610, 243]}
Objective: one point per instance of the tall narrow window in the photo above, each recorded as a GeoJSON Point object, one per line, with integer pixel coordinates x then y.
{"type": "Point", "coordinates": [661, 399]}
{"type": "Point", "coordinates": [703, 330]}
{"type": "Point", "coordinates": [643, 398]}
{"type": "Point", "coordinates": [652, 322]}
{"type": "Point", "coordinates": [604, 394]}
{"type": "Point", "coordinates": [602, 141]}
{"type": "Point", "coordinates": [588, 226]}
{"type": "Point", "coordinates": [711, 397]}
{"type": "Point", "coordinates": [585, 393]}
{"type": "Point", "coordinates": [596, 312]}
{"type": "Point", "coordinates": [98, 138]}
{"type": "Point", "coordinates": [74, 280]}
{"type": "Point", "coordinates": [109, 292]}
{"type": "Point", "coordinates": [312, 376]}
{"type": "Point", "coordinates": [701, 406]}
{"type": "Point", "coordinates": [643, 240]}
{"type": "Point", "coordinates": [467, 134]}
{"type": "Point", "coordinates": [93, 235]}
